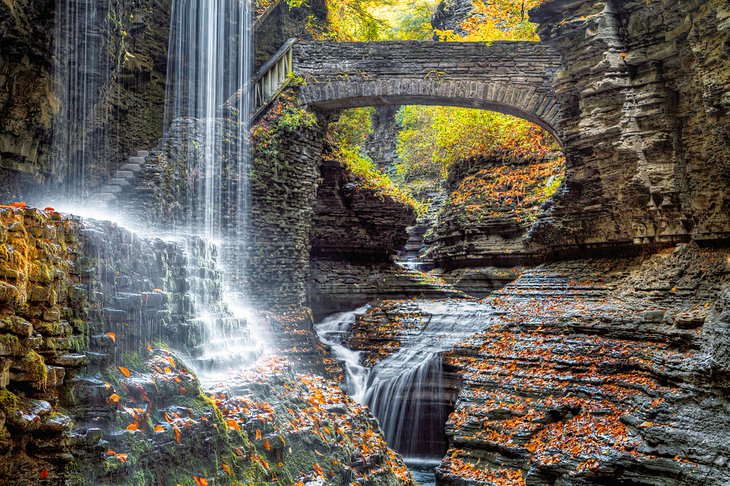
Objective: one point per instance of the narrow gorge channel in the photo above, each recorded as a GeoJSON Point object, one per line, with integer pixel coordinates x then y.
{"type": "Point", "coordinates": [364, 243]}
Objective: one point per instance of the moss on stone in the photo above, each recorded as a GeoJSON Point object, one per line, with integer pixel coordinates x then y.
{"type": "Point", "coordinates": [36, 367]}
{"type": "Point", "coordinates": [9, 402]}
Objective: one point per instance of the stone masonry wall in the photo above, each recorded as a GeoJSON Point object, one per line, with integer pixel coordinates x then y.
{"type": "Point", "coordinates": [283, 191]}
{"type": "Point", "coordinates": [510, 77]}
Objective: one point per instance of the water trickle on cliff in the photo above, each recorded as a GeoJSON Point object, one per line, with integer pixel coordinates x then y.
{"type": "Point", "coordinates": [82, 71]}
{"type": "Point", "coordinates": [406, 391]}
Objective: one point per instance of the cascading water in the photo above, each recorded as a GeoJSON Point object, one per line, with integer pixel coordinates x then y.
{"type": "Point", "coordinates": [226, 340]}
{"type": "Point", "coordinates": [82, 72]}
{"type": "Point", "coordinates": [209, 59]}
{"type": "Point", "coordinates": [406, 389]}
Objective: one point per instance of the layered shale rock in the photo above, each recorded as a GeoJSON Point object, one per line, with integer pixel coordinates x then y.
{"type": "Point", "coordinates": [27, 101]}
{"type": "Point", "coordinates": [644, 121]}
{"type": "Point", "coordinates": [355, 222]}
{"type": "Point", "coordinates": [491, 206]}
{"type": "Point", "coordinates": [356, 232]}
{"type": "Point", "coordinates": [592, 372]}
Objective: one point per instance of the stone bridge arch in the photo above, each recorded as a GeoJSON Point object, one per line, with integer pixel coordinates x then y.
{"type": "Point", "coordinates": [515, 78]}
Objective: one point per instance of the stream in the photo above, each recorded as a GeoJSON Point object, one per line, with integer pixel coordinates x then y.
{"type": "Point", "coordinates": [406, 390]}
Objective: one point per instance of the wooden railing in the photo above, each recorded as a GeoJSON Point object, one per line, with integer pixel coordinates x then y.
{"type": "Point", "coordinates": [272, 78]}
{"type": "Point", "coordinates": [268, 81]}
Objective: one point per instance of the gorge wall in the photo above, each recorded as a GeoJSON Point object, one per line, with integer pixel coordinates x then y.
{"type": "Point", "coordinates": [644, 122]}
{"type": "Point", "coordinates": [123, 74]}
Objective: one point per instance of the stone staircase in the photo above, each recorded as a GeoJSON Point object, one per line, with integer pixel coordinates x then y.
{"type": "Point", "coordinates": [411, 256]}
{"type": "Point", "coordinates": [121, 188]}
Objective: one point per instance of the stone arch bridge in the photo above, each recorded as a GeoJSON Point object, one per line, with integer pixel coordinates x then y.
{"type": "Point", "coordinates": [514, 78]}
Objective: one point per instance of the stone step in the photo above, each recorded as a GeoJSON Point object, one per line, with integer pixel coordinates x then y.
{"type": "Point", "coordinates": [110, 189]}
{"type": "Point", "coordinates": [126, 174]}
{"type": "Point", "coordinates": [142, 153]}
{"type": "Point", "coordinates": [101, 200]}
{"type": "Point", "coordinates": [134, 167]}
{"type": "Point", "coordinates": [136, 160]}
{"type": "Point", "coordinates": [118, 181]}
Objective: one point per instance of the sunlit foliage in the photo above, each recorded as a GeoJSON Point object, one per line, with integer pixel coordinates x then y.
{"type": "Point", "coordinates": [347, 136]}
{"type": "Point", "coordinates": [495, 20]}
{"type": "Point", "coordinates": [440, 136]}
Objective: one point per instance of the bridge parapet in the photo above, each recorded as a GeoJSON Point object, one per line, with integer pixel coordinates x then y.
{"type": "Point", "coordinates": [510, 77]}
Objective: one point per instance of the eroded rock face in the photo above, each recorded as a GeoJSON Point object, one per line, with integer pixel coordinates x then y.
{"type": "Point", "coordinates": [490, 209]}
{"type": "Point", "coordinates": [596, 371]}
{"type": "Point", "coordinates": [644, 121]}
{"type": "Point", "coordinates": [27, 101]}
{"type": "Point", "coordinates": [355, 222]}
{"type": "Point", "coordinates": [125, 88]}
{"type": "Point", "coordinates": [91, 391]}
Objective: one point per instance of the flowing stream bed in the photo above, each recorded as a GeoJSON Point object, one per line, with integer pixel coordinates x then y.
{"type": "Point", "coordinates": [406, 390]}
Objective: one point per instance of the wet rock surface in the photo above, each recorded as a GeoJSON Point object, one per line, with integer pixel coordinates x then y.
{"type": "Point", "coordinates": [91, 391]}
{"type": "Point", "coordinates": [337, 285]}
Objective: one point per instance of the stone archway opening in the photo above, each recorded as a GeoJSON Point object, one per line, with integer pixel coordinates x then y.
{"type": "Point", "coordinates": [481, 179]}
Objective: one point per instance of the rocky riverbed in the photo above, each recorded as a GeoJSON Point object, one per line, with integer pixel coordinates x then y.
{"type": "Point", "coordinates": [584, 372]}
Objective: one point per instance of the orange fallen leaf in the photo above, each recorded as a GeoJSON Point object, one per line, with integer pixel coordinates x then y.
{"type": "Point", "coordinates": [200, 481]}
{"type": "Point", "coordinates": [227, 469]}
{"type": "Point", "coordinates": [44, 473]}
{"type": "Point", "coordinates": [49, 209]}
{"type": "Point", "coordinates": [112, 336]}
{"type": "Point", "coordinates": [167, 369]}
{"type": "Point", "coordinates": [233, 424]}
{"type": "Point", "coordinates": [318, 468]}
{"type": "Point", "coordinates": [114, 398]}
{"type": "Point", "coordinates": [159, 428]}
{"type": "Point", "coordinates": [132, 427]}
{"type": "Point", "coordinates": [167, 417]}
{"type": "Point", "coordinates": [258, 434]}
{"type": "Point", "coordinates": [177, 434]}
{"type": "Point", "coordinates": [125, 371]}
{"type": "Point", "coordinates": [267, 446]}
{"type": "Point", "coordinates": [122, 457]}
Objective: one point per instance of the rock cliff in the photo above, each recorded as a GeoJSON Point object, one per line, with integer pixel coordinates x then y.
{"type": "Point", "coordinates": [644, 121]}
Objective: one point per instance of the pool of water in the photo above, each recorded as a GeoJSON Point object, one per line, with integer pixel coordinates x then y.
{"type": "Point", "coordinates": [423, 470]}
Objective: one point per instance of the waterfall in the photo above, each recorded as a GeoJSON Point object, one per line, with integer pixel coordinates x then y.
{"type": "Point", "coordinates": [406, 391]}
{"type": "Point", "coordinates": [209, 60]}
{"type": "Point", "coordinates": [82, 72]}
